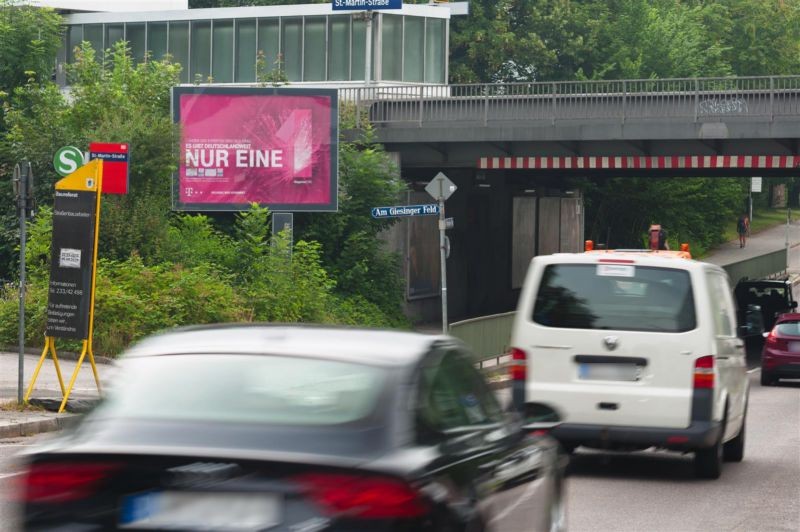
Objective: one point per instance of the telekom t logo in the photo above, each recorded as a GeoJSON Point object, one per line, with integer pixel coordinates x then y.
{"type": "Point", "coordinates": [297, 131]}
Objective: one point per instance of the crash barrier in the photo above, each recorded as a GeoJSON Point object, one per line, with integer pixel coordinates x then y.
{"type": "Point", "coordinates": [488, 336]}
{"type": "Point", "coordinates": [769, 265]}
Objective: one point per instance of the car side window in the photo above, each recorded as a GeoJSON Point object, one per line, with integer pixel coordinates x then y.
{"type": "Point", "coordinates": [452, 394]}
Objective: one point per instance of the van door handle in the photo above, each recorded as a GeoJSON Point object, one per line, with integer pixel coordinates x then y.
{"type": "Point", "coordinates": [718, 357]}
{"type": "Point", "coordinates": [738, 344]}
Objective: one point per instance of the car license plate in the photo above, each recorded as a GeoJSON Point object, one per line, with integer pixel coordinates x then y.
{"type": "Point", "coordinates": [187, 510]}
{"type": "Point", "coordinates": [794, 347]}
{"type": "Point", "coordinates": [609, 372]}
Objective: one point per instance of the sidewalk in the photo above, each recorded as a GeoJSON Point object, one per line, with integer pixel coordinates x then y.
{"type": "Point", "coordinates": [760, 243]}
{"type": "Point", "coordinates": [15, 424]}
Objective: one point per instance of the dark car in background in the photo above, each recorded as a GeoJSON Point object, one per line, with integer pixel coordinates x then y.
{"type": "Point", "coordinates": [773, 296]}
{"type": "Point", "coordinates": [759, 303]}
{"type": "Point", "coordinates": [781, 355]}
{"type": "Point", "coordinates": [253, 427]}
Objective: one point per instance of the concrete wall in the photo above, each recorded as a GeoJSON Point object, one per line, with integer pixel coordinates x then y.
{"type": "Point", "coordinates": [499, 223]}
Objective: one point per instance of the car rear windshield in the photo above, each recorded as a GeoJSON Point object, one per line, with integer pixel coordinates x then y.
{"type": "Point", "coordinates": [270, 390]}
{"type": "Point", "coordinates": [615, 296]}
{"type": "Point", "coordinates": [788, 328]}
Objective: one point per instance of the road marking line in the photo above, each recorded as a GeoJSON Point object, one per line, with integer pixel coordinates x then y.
{"type": "Point", "coordinates": [753, 370]}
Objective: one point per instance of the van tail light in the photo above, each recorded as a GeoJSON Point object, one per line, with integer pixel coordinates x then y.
{"type": "Point", "coordinates": [518, 368]}
{"type": "Point", "coordinates": [704, 372]}
{"type": "Point", "coordinates": [364, 497]}
{"type": "Point", "coordinates": [62, 482]}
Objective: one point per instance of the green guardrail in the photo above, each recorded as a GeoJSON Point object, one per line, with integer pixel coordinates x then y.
{"type": "Point", "coordinates": [761, 267]}
{"type": "Point", "coordinates": [488, 336]}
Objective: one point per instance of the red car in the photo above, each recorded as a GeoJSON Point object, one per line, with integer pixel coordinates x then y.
{"type": "Point", "coordinates": [781, 355]}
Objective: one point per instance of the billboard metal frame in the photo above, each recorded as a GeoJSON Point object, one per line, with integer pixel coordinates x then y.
{"type": "Point", "coordinates": [332, 205]}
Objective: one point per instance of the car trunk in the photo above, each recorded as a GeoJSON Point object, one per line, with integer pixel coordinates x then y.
{"type": "Point", "coordinates": [633, 384]}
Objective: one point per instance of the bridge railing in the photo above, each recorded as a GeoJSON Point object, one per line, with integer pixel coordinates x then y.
{"type": "Point", "coordinates": [698, 99]}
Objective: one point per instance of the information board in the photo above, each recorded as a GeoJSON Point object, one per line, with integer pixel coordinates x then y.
{"type": "Point", "coordinates": [72, 254]}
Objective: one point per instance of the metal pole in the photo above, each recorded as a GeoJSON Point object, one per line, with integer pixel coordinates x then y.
{"type": "Point", "coordinates": [21, 206]}
{"type": "Point", "coordinates": [368, 51]}
{"type": "Point", "coordinates": [750, 201]}
{"type": "Point", "coordinates": [788, 218]}
{"type": "Point", "coordinates": [442, 257]}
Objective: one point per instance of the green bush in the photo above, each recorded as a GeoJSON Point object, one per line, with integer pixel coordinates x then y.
{"type": "Point", "coordinates": [203, 277]}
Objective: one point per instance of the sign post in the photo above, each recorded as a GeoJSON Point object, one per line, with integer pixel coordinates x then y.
{"type": "Point", "coordinates": [23, 190]}
{"type": "Point", "coordinates": [73, 267]}
{"type": "Point", "coordinates": [755, 186]}
{"type": "Point", "coordinates": [441, 188]}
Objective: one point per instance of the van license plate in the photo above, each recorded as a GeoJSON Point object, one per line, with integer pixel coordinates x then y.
{"type": "Point", "coordinates": [609, 372]}
{"type": "Point", "coordinates": [160, 510]}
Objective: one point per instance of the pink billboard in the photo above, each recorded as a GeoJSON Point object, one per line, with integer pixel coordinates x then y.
{"type": "Point", "coordinates": [274, 147]}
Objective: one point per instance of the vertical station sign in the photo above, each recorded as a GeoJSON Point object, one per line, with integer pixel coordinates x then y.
{"type": "Point", "coordinates": [75, 215]}
{"type": "Point", "coordinates": [116, 157]}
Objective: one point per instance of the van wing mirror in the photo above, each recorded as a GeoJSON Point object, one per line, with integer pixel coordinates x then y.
{"type": "Point", "coordinates": [793, 304]}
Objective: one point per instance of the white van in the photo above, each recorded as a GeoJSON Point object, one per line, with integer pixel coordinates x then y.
{"type": "Point", "coordinates": [629, 350]}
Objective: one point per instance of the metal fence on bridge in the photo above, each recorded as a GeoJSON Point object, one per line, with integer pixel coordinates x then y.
{"type": "Point", "coordinates": [697, 99]}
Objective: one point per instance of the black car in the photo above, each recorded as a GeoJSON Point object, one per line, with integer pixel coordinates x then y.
{"type": "Point", "coordinates": [254, 427]}
{"type": "Point", "coordinates": [760, 302]}
{"type": "Point", "coordinates": [773, 296]}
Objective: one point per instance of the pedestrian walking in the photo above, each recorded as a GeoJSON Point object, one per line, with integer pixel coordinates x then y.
{"type": "Point", "coordinates": [743, 228]}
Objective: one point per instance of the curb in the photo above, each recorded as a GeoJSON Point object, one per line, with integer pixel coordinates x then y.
{"type": "Point", "coordinates": [29, 428]}
{"type": "Point", "coordinates": [63, 355]}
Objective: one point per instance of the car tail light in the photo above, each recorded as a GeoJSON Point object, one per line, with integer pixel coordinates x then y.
{"type": "Point", "coordinates": [704, 372]}
{"type": "Point", "coordinates": [365, 497]}
{"type": "Point", "coordinates": [518, 368]}
{"type": "Point", "coordinates": [776, 342]}
{"type": "Point", "coordinates": [62, 482]}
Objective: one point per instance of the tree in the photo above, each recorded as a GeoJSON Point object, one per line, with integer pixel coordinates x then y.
{"type": "Point", "coordinates": [116, 102]}
{"type": "Point", "coordinates": [351, 249]}
{"type": "Point", "coordinates": [29, 40]}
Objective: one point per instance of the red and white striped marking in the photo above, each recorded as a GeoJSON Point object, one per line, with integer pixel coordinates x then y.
{"type": "Point", "coordinates": [627, 163]}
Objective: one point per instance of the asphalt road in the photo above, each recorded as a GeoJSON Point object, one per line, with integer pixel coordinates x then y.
{"type": "Point", "coordinates": [655, 491]}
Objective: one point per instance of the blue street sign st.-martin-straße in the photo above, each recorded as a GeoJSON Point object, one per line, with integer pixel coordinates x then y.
{"type": "Point", "coordinates": [431, 209]}
{"type": "Point", "coordinates": [365, 5]}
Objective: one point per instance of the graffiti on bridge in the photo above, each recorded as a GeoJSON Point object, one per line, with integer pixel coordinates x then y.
{"type": "Point", "coordinates": [722, 106]}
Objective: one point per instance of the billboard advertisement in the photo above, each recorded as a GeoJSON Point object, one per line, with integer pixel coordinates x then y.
{"type": "Point", "coordinates": [272, 146]}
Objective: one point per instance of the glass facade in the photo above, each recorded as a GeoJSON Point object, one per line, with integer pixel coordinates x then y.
{"type": "Point", "coordinates": [307, 48]}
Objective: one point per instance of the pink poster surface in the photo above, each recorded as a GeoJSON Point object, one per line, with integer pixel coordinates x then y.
{"type": "Point", "coordinates": [277, 150]}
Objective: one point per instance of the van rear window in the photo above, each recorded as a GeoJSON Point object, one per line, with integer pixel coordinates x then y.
{"type": "Point", "coordinates": [618, 297]}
